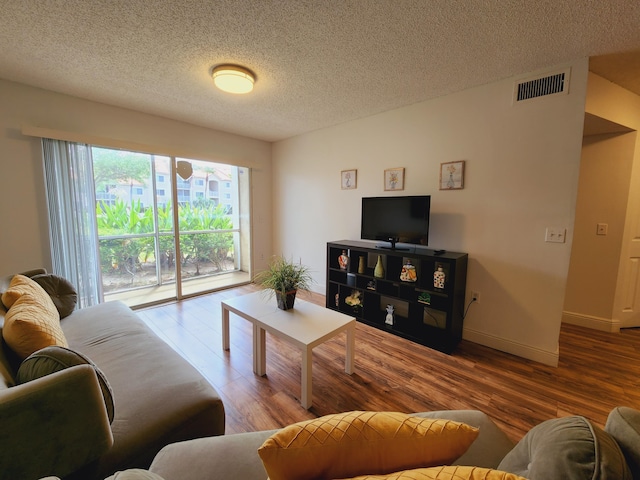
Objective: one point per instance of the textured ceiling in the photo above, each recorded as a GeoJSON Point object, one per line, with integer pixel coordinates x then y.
{"type": "Point", "coordinates": [318, 63]}
{"type": "Point", "coordinates": [620, 68]}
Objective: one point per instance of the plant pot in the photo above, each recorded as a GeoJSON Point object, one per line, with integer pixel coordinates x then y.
{"type": "Point", "coordinates": [285, 301]}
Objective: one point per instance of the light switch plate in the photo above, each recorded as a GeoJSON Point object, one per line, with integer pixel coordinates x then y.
{"type": "Point", "coordinates": [555, 234]}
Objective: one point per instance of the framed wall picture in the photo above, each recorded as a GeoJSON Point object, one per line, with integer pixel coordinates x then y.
{"type": "Point", "coordinates": [452, 175]}
{"type": "Point", "coordinates": [394, 179]}
{"type": "Point", "coordinates": [349, 179]}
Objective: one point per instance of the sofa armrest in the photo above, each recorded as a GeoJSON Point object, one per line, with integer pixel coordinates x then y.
{"type": "Point", "coordinates": [53, 425]}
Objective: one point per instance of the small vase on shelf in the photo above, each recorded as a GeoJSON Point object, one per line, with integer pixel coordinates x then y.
{"type": "Point", "coordinates": [361, 265]}
{"type": "Point", "coordinates": [378, 272]}
{"type": "Point", "coordinates": [439, 277]}
{"type": "Point", "coordinates": [408, 272]}
{"type": "Point", "coordinates": [343, 260]}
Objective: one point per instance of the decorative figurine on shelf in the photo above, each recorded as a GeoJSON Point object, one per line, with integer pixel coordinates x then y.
{"type": "Point", "coordinates": [361, 265]}
{"type": "Point", "coordinates": [408, 272]}
{"type": "Point", "coordinates": [337, 299]}
{"type": "Point", "coordinates": [439, 277]}
{"type": "Point", "coordinates": [389, 319]}
{"type": "Point", "coordinates": [343, 260]}
{"type": "Point", "coordinates": [355, 300]}
{"type": "Point", "coordinates": [371, 285]}
{"type": "Point", "coordinates": [425, 298]}
{"type": "Point", "coordinates": [378, 272]}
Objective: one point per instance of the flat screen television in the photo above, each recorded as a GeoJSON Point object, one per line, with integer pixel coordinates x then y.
{"type": "Point", "coordinates": [396, 219]}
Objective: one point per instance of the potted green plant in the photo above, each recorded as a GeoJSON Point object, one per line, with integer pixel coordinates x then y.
{"type": "Point", "coordinates": [285, 278]}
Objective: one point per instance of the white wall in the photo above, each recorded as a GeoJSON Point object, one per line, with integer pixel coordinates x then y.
{"type": "Point", "coordinates": [521, 176]}
{"type": "Point", "coordinates": [24, 242]}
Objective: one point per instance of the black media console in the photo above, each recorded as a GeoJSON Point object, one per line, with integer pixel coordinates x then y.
{"type": "Point", "coordinates": [428, 310]}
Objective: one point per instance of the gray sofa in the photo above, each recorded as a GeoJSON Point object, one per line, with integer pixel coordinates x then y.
{"type": "Point", "coordinates": [235, 456]}
{"type": "Point", "coordinates": [568, 448]}
{"type": "Point", "coordinates": [59, 424]}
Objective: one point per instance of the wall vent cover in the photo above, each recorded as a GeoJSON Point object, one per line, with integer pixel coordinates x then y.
{"type": "Point", "coordinates": [550, 84]}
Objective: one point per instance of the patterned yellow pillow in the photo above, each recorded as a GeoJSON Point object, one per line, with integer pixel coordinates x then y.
{"type": "Point", "coordinates": [32, 321]}
{"type": "Point", "coordinates": [445, 473]}
{"type": "Point", "coordinates": [357, 443]}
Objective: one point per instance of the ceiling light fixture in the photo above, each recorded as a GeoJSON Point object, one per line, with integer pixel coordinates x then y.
{"type": "Point", "coordinates": [233, 79]}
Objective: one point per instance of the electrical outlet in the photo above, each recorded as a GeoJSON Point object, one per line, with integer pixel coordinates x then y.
{"type": "Point", "coordinates": [602, 229]}
{"type": "Point", "coordinates": [475, 296]}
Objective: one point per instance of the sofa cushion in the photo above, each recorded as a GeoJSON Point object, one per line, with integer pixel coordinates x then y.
{"type": "Point", "coordinates": [570, 448]}
{"type": "Point", "coordinates": [623, 424]}
{"type": "Point", "coordinates": [356, 443]}
{"type": "Point", "coordinates": [135, 474]}
{"type": "Point", "coordinates": [32, 321]}
{"type": "Point", "coordinates": [445, 472]}
{"type": "Point", "coordinates": [53, 359]}
{"type": "Point", "coordinates": [160, 397]}
{"type": "Point", "coordinates": [62, 292]}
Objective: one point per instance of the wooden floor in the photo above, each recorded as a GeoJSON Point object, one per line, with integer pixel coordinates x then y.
{"type": "Point", "coordinates": [597, 372]}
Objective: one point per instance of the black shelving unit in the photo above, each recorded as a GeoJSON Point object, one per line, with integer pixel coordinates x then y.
{"type": "Point", "coordinates": [425, 311]}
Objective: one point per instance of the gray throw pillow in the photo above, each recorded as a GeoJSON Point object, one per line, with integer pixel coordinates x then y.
{"type": "Point", "coordinates": [54, 359]}
{"type": "Point", "coordinates": [61, 291]}
{"type": "Point", "coordinates": [623, 424]}
{"type": "Point", "coordinates": [571, 448]}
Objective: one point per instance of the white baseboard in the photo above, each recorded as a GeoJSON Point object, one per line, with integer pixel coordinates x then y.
{"type": "Point", "coordinates": [590, 321]}
{"type": "Point", "coordinates": [514, 348]}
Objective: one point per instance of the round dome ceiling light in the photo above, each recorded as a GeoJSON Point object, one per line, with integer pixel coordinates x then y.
{"type": "Point", "coordinates": [233, 79]}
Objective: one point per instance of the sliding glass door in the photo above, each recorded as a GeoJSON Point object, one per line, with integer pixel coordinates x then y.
{"type": "Point", "coordinates": [208, 225]}
{"type": "Point", "coordinates": [163, 218]}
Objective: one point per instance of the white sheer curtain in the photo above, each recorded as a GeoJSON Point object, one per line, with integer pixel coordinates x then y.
{"type": "Point", "coordinates": [73, 231]}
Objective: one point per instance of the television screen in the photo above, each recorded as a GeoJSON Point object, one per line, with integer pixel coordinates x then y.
{"type": "Point", "coordinates": [396, 219]}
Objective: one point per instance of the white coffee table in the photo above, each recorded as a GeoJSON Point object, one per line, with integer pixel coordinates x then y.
{"type": "Point", "coordinates": [305, 326]}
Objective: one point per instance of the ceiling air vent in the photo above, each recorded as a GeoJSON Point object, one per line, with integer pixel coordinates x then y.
{"type": "Point", "coordinates": [529, 88]}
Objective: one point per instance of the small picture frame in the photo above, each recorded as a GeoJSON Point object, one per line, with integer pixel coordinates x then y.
{"type": "Point", "coordinates": [349, 179]}
{"type": "Point", "coordinates": [452, 175]}
{"type": "Point", "coordinates": [394, 179]}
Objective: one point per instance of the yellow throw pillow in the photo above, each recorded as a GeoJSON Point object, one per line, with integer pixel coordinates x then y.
{"type": "Point", "coordinates": [32, 321]}
{"type": "Point", "coordinates": [357, 443]}
{"type": "Point", "coordinates": [18, 286]}
{"type": "Point", "coordinates": [445, 473]}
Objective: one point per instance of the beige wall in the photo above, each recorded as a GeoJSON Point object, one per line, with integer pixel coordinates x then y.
{"type": "Point", "coordinates": [613, 300]}
{"type": "Point", "coordinates": [522, 165]}
{"type": "Point", "coordinates": [605, 173]}
{"type": "Point", "coordinates": [24, 236]}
